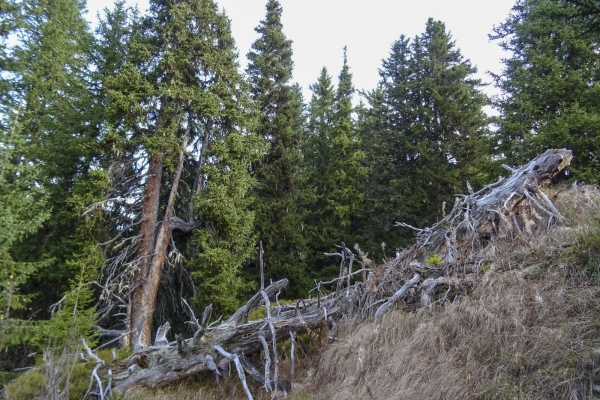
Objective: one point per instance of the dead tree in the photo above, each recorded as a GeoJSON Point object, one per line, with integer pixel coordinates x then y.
{"type": "Point", "coordinates": [476, 221]}
{"type": "Point", "coordinates": [176, 360]}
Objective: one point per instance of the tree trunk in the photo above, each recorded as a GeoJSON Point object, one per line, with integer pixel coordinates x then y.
{"type": "Point", "coordinates": [139, 302]}
{"type": "Point", "coordinates": [153, 249]}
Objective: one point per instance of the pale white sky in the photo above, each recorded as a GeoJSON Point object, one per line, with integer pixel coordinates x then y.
{"type": "Point", "coordinates": [321, 28]}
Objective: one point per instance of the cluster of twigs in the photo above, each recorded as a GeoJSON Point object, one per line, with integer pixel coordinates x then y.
{"type": "Point", "coordinates": [506, 211]}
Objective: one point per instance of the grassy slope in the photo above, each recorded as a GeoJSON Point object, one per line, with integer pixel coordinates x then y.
{"type": "Point", "coordinates": [530, 329]}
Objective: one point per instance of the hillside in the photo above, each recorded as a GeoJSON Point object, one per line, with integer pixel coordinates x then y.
{"type": "Point", "coordinates": [513, 315]}
{"type": "Point", "coordinates": [528, 329]}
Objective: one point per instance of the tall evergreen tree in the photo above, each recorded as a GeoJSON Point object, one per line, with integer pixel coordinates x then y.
{"type": "Point", "coordinates": [550, 86]}
{"type": "Point", "coordinates": [50, 95]}
{"type": "Point", "coordinates": [281, 189]}
{"type": "Point", "coordinates": [425, 134]}
{"type": "Point", "coordinates": [333, 162]}
{"type": "Point", "coordinates": [48, 170]}
{"type": "Point", "coordinates": [182, 90]}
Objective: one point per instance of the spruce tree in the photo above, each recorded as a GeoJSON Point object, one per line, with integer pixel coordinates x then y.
{"type": "Point", "coordinates": [181, 90]}
{"type": "Point", "coordinates": [52, 101]}
{"type": "Point", "coordinates": [281, 188]}
{"type": "Point", "coordinates": [333, 164]}
{"type": "Point", "coordinates": [48, 174]}
{"type": "Point", "coordinates": [425, 134]}
{"type": "Point", "coordinates": [549, 86]}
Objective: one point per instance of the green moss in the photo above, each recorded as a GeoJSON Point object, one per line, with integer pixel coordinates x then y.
{"type": "Point", "coordinates": [534, 271]}
{"type": "Point", "coordinates": [434, 260]}
{"type": "Point", "coordinates": [261, 312]}
{"type": "Point", "coordinates": [484, 268]}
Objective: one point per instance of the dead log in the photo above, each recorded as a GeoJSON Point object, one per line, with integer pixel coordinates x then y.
{"type": "Point", "coordinates": [478, 216]}
{"type": "Point", "coordinates": [475, 220]}
{"type": "Point", "coordinates": [185, 357]}
{"type": "Point", "coordinates": [392, 300]}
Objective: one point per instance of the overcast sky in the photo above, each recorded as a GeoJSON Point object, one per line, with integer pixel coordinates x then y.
{"type": "Point", "coordinates": [321, 28]}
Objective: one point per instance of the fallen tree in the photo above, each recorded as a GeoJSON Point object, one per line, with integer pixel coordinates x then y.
{"type": "Point", "coordinates": [504, 211]}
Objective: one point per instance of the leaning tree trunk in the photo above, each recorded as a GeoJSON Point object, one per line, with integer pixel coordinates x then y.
{"type": "Point", "coordinates": [152, 250]}
{"type": "Point", "coordinates": [474, 223]}
{"type": "Point", "coordinates": [141, 303]}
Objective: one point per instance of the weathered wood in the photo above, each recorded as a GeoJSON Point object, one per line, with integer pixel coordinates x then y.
{"type": "Point", "coordinates": [392, 300]}
{"type": "Point", "coordinates": [523, 180]}
{"type": "Point", "coordinates": [472, 223]}
{"type": "Point", "coordinates": [173, 362]}
{"type": "Point", "coordinates": [241, 315]}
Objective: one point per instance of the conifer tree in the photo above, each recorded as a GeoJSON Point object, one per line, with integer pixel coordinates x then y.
{"type": "Point", "coordinates": [281, 187]}
{"type": "Point", "coordinates": [51, 99]}
{"type": "Point", "coordinates": [334, 162]}
{"type": "Point", "coordinates": [182, 90]}
{"type": "Point", "coordinates": [425, 134]}
{"type": "Point", "coordinates": [23, 212]}
{"type": "Point", "coordinates": [549, 86]}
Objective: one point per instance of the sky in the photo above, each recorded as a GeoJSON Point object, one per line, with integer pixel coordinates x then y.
{"type": "Point", "coordinates": [320, 29]}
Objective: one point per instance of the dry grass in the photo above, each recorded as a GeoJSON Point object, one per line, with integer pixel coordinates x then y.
{"type": "Point", "coordinates": [512, 338]}
{"type": "Point", "coordinates": [527, 334]}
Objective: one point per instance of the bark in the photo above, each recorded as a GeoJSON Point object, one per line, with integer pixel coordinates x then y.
{"type": "Point", "coordinates": [150, 206]}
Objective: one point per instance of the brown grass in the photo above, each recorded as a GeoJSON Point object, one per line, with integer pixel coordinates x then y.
{"type": "Point", "coordinates": [519, 334]}
{"type": "Point", "coordinates": [511, 338]}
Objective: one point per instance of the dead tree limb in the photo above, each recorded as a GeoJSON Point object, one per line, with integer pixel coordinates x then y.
{"type": "Point", "coordinates": [392, 300]}
{"type": "Point", "coordinates": [476, 220]}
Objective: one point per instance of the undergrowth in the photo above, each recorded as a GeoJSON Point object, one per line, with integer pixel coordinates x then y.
{"type": "Point", "coordinates": [529, 329]}
{"type": "Point", "coordinates": [32, 384]}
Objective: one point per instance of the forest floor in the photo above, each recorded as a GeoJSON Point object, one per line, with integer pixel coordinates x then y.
{"type": "Point", "coordinates": [528, 329]}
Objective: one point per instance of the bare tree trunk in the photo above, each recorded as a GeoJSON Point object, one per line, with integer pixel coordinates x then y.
{"type": "Point", "coordinates": [152, 250]}
{"type": "Point", "coordinates": [139, 299]}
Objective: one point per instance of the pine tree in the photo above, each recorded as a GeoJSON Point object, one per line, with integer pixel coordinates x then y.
{"type": "Point", "coordinates": [181, 89]}
{"type": "Point", "coordinates": [23, 212]}
{"type": "Point", "coordinates": [549, 86]}
{"type": "Point", "coordinates": [384, 124]}
{"type": "Point", "coordinates": [334, 163]}
{"type": "Point", "coordinates": [281, 188]}
{"type": "Point", "coordinates": [51, 99]}
{"type": "Point", "coordinates": [425, 134]}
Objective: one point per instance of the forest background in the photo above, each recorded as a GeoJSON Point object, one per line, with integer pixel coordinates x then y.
{"type": "Point", "coordinates": [140, 166]}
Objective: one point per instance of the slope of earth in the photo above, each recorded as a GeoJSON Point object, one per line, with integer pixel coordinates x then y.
{"type": "Point", "coordinates": [529, 329]}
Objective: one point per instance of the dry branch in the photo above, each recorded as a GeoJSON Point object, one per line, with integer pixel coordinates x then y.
{"type": "Point", "coordinates": [478, 220]}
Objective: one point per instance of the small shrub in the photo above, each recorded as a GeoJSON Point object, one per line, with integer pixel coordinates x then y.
{"type": "Point", "coordinates": [27, 386]}
{"type": "Point", "coordinates": [485, 268]}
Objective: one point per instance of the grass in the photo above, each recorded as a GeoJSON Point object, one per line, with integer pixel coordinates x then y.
{"type": "Point", "coordinates": [511, 338]}
{"type": "Point", "coordinates": [530, 329]}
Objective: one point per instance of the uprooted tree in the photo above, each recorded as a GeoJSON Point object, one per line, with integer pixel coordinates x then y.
{"type": "Point", "coordinates": [511, 209]}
